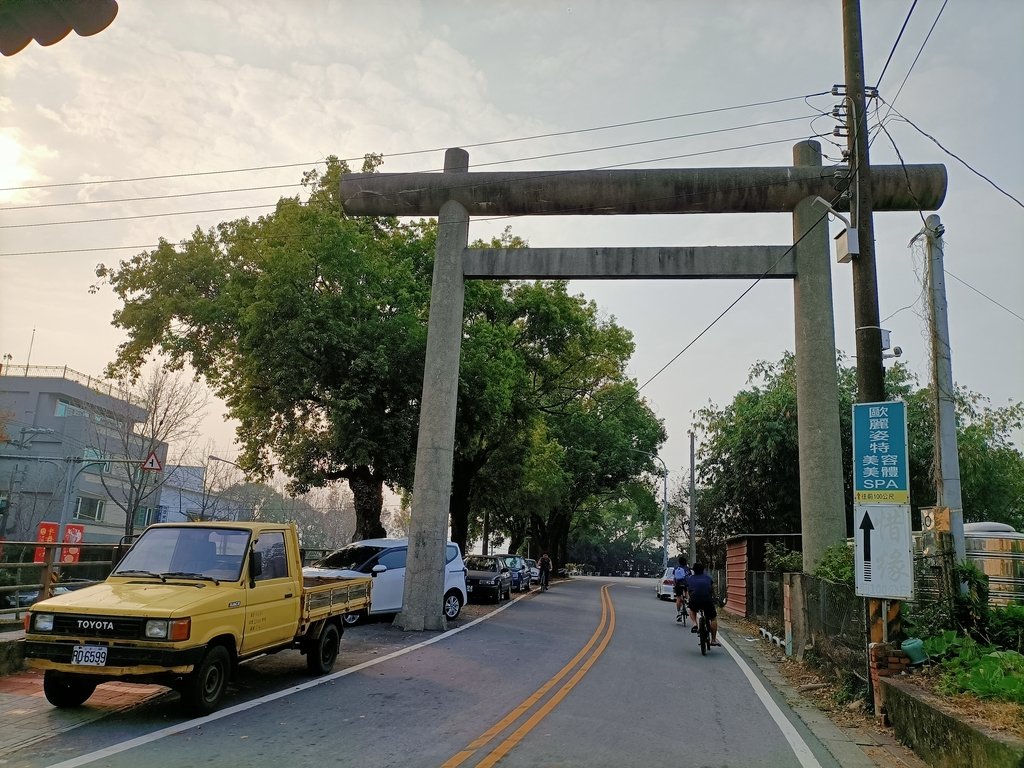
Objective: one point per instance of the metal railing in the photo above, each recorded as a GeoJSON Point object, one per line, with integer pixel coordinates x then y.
{"type": "Point", "coordinates": [95, 383]}
{"type": "Point", "coordinates": [34, 581]}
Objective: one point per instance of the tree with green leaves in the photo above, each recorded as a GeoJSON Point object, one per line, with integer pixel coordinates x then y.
{"type": "Point", "coordinates": [307, 323]}
{"type": "Point", "coordinates": [749, 456]}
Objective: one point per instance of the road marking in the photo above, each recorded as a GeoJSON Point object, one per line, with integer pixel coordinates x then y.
{"type": "Point", "coordinates": [796, 742]}
{"type": "Point", "coordinates": [605, 627]}
{"type": "Point", "coordinates": [198, 722]}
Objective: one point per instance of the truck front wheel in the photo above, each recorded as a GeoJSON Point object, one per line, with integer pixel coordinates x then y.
{"type": "Point", "coordinates": [204, 688]}
{"type": "Point", "coordinates": [323, 652]}
{"type": "Point", "coordinates": [64, 690]}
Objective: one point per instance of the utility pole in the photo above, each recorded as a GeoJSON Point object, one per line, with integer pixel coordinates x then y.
{"type": "Point", "coordinates": [870, 373]}
{"type": "Point", "coordinates": [947, 457]}
{"type": "Point", "coordinates": [693, 503]}
{"type": "Point", "coordinates": [882, 616]}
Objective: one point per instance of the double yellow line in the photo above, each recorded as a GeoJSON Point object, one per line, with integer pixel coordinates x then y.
{"type": "Point", "coordinates": [601, 637]}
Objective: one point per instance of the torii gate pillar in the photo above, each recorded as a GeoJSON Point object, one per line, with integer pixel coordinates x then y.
{"type": "Point", "coordinates": [822, 504]}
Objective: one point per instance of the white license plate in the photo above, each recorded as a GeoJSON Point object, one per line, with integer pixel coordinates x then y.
{"type": "Point", "coordinates": [89, 655]}
{"type": "Point", "coordinates": [469, 587]}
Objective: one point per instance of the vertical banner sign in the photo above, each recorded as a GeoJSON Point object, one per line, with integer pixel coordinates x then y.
{"type": "Point", "coordinates": [47, 534]}
{"type": "Point", "coordinates": [883, 545]}
{"type": "Point", "coordinates": [881, 466]}
{"type": "Point", "coordinates": [73, 534]}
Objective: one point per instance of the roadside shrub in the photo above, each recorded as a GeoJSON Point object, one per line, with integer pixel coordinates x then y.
{"type": "Point", "coordinates": [967, 666]}
{"type": "Point", "coordinates": [779, 559]}
{"type": "Point", "coordinates": [970, 608]}
{"type": "Point", "coordinates": [926, 618]}
{"type": "Point", "coordinates": [836, 565]}
{"type": "Point", "coordinates": [1006, 627]}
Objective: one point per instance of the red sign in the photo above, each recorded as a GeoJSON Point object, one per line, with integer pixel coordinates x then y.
{"type": "Point", "coordinates": [46, 534]}
{"type": "Point", "coordinates": [73, 534]}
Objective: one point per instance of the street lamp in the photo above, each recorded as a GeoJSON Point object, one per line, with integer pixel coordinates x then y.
{"type": "Point", "coordinates": [226, 461]}
{"type": "Point", "coordinates": [241, 469]}
{"type": "Point", "coordinates": [664, 506]}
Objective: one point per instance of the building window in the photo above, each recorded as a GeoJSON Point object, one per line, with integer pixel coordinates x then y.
{"type": "Point", "coordinates": [92, 456]}
{"type": "Point", "coordinates": [89, 509]}
{"type": "Point", "coordinates": [144, 517]}
{"type": "Point", "coordinates": [64, 408]}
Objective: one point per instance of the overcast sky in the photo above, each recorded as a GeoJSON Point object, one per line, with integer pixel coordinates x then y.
{"type": "Point", "coordinates": [193, 89]}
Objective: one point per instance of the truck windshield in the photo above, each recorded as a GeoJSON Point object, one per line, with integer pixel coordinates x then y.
{"type": "Point", "coordinates": [214, 553]}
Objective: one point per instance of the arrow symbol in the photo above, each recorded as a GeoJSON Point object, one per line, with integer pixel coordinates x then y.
{"type": "Point", "coordinates": [867, 527]}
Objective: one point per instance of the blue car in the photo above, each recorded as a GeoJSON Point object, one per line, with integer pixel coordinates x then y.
{"type": "Point", "coordinates": [521, 577]}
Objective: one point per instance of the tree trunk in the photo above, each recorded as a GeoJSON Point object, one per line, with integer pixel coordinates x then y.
{"type": "Point", "coordinates": [462, 483]}
{"type": "Point", "coordinates": [368, 499]}
{"type": "Point", "coordinates": [558, 538]}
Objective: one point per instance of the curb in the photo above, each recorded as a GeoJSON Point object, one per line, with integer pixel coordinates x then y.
{"type": "Point", "coordinates": [851, 748]}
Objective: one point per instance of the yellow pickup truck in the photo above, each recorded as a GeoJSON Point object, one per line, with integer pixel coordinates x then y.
{"type": "Point", "coordinates": [187, 603]}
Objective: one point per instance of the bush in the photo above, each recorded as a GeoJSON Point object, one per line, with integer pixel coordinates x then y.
{"type": "Point", "coordinates": [779, 559]}
{"type": "Point", "coordinates": [970, 608]}
{"type": "Point", "coordinates": [970, 667]}
{"type": "Point", "coordinates": [836, 565]}
{"type": "Point", "coordinates": [1006, 627]}
{"type": "Point", "coordinates": [923, 618]}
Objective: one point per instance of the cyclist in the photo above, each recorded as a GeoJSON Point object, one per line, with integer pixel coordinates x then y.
{"type": "Point", "coordinates": [544, 565]}
{"type": "Point", "coordinates": [702, 597]}
{"type": "Point", "coordinates": [680, 575]}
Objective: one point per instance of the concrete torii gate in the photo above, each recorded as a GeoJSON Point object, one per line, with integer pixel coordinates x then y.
{"type": "Point", "coordinates": [457, 194]}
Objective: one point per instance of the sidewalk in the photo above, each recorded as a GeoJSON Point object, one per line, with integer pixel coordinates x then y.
{"type": "Point", "coordinates": [852, 747]}
{"type": "Point", "coordinates": [27, 717]}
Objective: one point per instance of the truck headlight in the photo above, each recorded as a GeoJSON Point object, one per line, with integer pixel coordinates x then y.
{"type": "Point", "coordinates": [168, 629]}
{"type": "Point", "coordinates": [42, 622]}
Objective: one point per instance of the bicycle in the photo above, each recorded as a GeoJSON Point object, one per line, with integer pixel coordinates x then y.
{"type": "Point", "coordinates": [703, 633]}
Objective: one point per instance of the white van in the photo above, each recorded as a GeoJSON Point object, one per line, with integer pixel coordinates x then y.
{"type": "Point", "coordinates": [384, 559]}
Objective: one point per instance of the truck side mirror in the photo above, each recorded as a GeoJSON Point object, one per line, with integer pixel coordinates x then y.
{"type": "Point", "coordinates": [255, 566]}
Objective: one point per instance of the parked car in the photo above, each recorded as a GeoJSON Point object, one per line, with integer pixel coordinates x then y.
{"type": "Point", "coordinates": [534, 570]}
{"type": "Point", "coordinates": [26, 597]}
{"type": "Point", "coordinates": [665, 587]}
{"type": "Point", "coordinates": [385, 560]}
{"type": "Point", "coordinates": [521, 577]}
{"type": "Point", "coordinates": [487, 576]}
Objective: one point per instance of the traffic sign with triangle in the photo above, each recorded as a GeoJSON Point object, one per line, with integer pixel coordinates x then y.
{"type": "Point", "coordinates": [152, 463]}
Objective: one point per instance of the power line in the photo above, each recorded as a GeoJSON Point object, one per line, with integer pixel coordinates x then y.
{"type": "Point", "coordinates": [956, 157]}
{"type": "Point", "coordinates": [476, 220]}
{"type": "Point", "coordinates": [136, 216]}
{"type": "Point", "coordinates": [913, 5]}
{"type": "Point", "coordinates": [735, 301]}
{"type": "Point", "coordinates": [984, 295]}
{"type": "Point", "coordinates": [566, 153]}
{"type": "Point", "coordinates": [919, 52]}
{"type": "Point", "coordinates": [426, 151]}
{"type": "Point", "coordinates": [148, 198]}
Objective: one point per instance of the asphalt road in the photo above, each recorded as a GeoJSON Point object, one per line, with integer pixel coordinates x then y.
{"type": "Point", "coordinates": [594, 672]}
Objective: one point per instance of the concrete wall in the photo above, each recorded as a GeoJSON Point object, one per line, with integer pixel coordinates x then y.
{"type": "Point", "coordinates": [938, 737]}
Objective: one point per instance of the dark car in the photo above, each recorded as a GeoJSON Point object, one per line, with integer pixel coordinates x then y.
{"type": "Point", "coordinates": [26, 597]}
{"type": "Point", "coordinates": [487, 577]}
{"type": "Point", "coordinates": [521, 577]}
